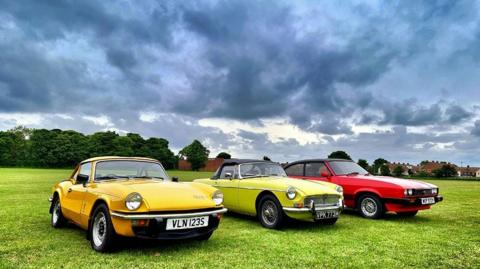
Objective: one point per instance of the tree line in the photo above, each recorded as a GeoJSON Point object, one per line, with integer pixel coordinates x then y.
{"type": "Point", "coordinates": [65, 148]}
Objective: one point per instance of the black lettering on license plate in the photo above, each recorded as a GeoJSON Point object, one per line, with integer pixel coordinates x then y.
{"type": "Point", "coordinates": [327, 214]}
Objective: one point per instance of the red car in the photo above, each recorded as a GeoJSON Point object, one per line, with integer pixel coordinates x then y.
{"type": "Point", "coordinates": [372, 196]}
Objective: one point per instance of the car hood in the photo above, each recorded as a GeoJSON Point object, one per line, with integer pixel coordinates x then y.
{"type": "Point", "coordinates": [163, 195]}
{"type": "Point", "coordinates": [307, 187]}
{"type": "Point", "coordinates": [404, 183]}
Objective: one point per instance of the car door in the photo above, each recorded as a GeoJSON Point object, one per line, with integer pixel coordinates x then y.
{"type": "Point", "coordinates": [227, 182]}
{"type": "Point", "coordinates": [73, 201]}
{"type": "Point", "coordinates": [318, 171]}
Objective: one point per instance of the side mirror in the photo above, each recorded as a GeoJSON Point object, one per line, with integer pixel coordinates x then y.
{"type": "Point", "coordinates": [228, 175]}
{"type": "Point", "coordinates": [175, 179]}
{"type": "Point", "coordinates": [82, 179]}
{"type": "Point", "coordinates": [325, 174]}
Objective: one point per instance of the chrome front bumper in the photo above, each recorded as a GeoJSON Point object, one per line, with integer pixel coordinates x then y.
{"type": "Point", "coordinates": [167, 216]}
{"type": "Point", "coordinates": [312, 210]}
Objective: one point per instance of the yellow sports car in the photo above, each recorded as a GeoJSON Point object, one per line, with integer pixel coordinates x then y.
{"type": "Point", "coordinates": [262, 189]}
{"type": "Point", "coordinates": [127, 196]}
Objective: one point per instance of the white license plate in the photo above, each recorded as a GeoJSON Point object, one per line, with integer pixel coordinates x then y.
{"type": "Point", "coordinates": [187, 223]}
{"type": "Point", "coordinates": [428, 200]}
{"type": "Point", "coordinates": [326, 214]}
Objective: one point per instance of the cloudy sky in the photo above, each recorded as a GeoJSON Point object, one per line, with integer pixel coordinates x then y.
{"type": "Point", "coordinates": [287, 79]}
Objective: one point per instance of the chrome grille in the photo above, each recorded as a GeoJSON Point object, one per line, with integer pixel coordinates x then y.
{"type": "Point", "coordinates": [322, 200]}
{"type": "Point", "coordinates": [422, 191]}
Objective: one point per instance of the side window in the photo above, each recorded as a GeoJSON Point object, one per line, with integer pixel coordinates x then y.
{"type": "Point", "coordinates": [295, 170]}
{"type": "Point", "coordinates": [315, 169]}
{"type": "Point", "coordinates": [227, 169]}
{"type": "Point", "coordinates": [85, 169]}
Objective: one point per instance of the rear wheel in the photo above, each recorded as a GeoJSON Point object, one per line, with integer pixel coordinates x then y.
{"type": "Point", "coordinates": [57, 220]}
{"type": "Point", "coordinates": [270, 212]}
{"type": "Point", "coordinates": [407, 214]}
{"type": "Point", "coordinates": [102, 234]}
{"type": "Point", "coordinates": [370, 206]}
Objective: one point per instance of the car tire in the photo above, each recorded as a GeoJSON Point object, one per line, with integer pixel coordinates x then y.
{"type": "Point", "coordinates": [327, 221]}
{"type": "Point", "coordinates": [270, 212]}
{"type": "Point", "coordinates": [205, 237]}
{"type": "Point", "coordinates": [57, 218]}
{"type": "Point", "coordinates": [370, 206]}
{"type": "Point", "coordinates": [408, 214]}
{"type": "Point", "coordinates": [102, 234]}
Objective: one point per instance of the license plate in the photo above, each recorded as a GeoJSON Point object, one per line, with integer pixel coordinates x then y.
{"type": "Point", "coordinates": [428, 200]}
{"type": "Point", "coordinates": [327, 214]}
{"type": "Point", "coordinates": [187, 223]}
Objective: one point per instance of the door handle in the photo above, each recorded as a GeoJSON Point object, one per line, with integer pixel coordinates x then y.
{"type": "Point", "coordinates": [69, 189]}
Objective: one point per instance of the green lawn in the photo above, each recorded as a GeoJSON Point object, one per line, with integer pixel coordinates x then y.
{"type": "Point", "coordinates": [446, 236]}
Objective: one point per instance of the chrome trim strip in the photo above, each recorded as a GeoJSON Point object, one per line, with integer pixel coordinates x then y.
{"type": "Point", "coordinates": [306, 209]}
{"type": "Point", "coordinates": [153, 216]}
{"type": "Point", "coordinates": [246, 188]}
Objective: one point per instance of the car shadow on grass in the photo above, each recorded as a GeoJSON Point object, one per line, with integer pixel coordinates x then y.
{"type": "Point", "coordinates": [392, 217]}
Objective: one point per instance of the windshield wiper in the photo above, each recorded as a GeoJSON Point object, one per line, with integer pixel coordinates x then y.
{"type": "Point", "coordinates": [352, 174]}
{"type": "Point", "coordinates": [111, 177]}
{"type": "Point", "coordinates": [250, 175]}
{"type": "Point", "coordinates": [150, 177]}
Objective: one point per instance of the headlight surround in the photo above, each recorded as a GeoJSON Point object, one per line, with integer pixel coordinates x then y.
{"type": "Point", "coordinates": [434, 190]}
{"type": "Point", "coordinates": [217, 197]}
{"type": "Point", "coordinates": [408, 192]}
{"type": "Point", "coordinates": [291, 193]}
{"type": "Point", "coordinates": [339, 189]}
{"type": "Point", "coordinates": [133, 201]}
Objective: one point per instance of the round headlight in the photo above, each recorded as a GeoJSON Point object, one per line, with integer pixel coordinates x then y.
{"type": "Point", "coordinates": [291, 193]}
{"type": "Point", "coordinates": [339, 189]}
{"type": "Point", "coordinates": [217, 197]}
{"type": "Point", "coordinates": [133, 201]}
{"type": "Point", "coordinates": [434, 191]}
{"type": "Point", "coordinates": [408, 192]}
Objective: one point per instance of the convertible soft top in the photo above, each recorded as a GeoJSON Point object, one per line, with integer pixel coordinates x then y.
{"type": "Point", "coordinates": [235, 162]}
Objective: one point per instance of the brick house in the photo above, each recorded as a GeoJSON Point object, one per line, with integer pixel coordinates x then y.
{"type": "Point", "coordinates": [468, 171]}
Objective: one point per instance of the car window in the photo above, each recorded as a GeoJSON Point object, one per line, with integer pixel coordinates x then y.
{"type": "Point", "coordinates": [295, 170]}
{"type": "Point", "coordinates": [227, 169]}
{"type": "Point", "coordinates": [315, 169]}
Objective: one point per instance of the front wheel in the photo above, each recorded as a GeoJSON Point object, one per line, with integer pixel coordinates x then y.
{"type": "Point", "coordinates": [407, 214]}
{"type": "Point", "coordinates": [370, 206]}
{"type": "Point", "coordinates": [102, 234]}
{"type": "Point", "coordinates": [270, 212]}
{"type": "Point", "coordinates": [57, 219]}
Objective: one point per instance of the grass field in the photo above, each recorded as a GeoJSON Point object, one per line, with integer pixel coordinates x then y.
{"type": "Point", "coordinates": [447, 236]}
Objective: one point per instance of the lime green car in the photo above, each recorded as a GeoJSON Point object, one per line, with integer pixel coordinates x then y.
{"type": "Point", "coordinates": [262, 189]}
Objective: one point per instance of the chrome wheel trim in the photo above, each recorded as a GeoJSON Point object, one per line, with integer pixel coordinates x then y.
{"type": "Point", "coordinates": [369, 207]}
{"type": "Point", "coordinates": [56, 212]}
{"type": "Point", "coordinates": [269, 212]}
{"type": "Point", "coordinates": [99, 229]}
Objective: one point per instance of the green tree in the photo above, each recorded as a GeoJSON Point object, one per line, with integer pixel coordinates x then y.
{"type": "Point", "coordinates": [157, 148]}
{"type": "Point", "coordinates": [445, 170]}
{"type": "Point", "coordinates": [364, 164]}
{"type": "Point", "coordinates": [224, 155]}
{"type": "Point", "coordinates": [123, 146]}
{"type": "Point", "coordinates": [377, 165]}
{"type": "Point", "coordinates": [69, 148]}
{"type": "Point", "coordinates": [398, 171]}
{"type": "Point", "coordinates": [102, 144]}
{"type": "Point", "coordinates": [339, 154]}
{"type": "Point", "coordinates": [138, 145]}
{"type": "Point", "coordinates": [266, 158]}
{"type": "Point", "coordinates": [196, 154]}
{"type": "Point", "coordinates": [384, 170]}
{"type": "Point", "coordinates": [43, 148]}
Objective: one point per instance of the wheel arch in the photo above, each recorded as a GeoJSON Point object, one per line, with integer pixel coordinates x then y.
{"type": "Point", "coordinates": [55, 195]}
{"type": "Point", "coordinates": [261, 195]}
{"type": "Point", "coordinates": [97, 202]}
{"type": "Point", "coordinates": [361, 192]}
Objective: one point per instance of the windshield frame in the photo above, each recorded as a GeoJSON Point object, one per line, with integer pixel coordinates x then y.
{"type": "Point", "coordinates": [94, 179]}
{"type": "Point", "coordinates": [270, 163]}
{"type": "Point", "coordinates": [345, 161]}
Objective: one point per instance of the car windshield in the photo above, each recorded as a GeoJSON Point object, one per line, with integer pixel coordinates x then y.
{"type": "Point", "coordinates": [126, 169]}
{"type": "Point", "coordinates": [347, 168]}
{"type": "Point", "coordinates": [260, 169]}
